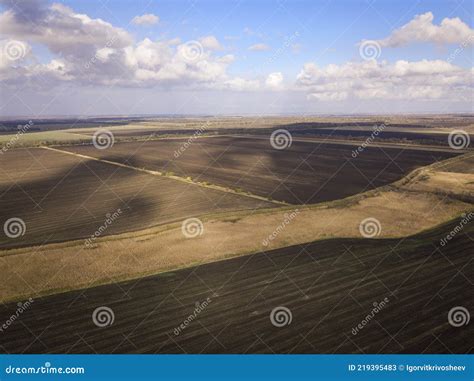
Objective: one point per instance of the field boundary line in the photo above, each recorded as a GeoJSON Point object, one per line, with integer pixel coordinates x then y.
{"type": "Point", "coordinates": [171, 177]}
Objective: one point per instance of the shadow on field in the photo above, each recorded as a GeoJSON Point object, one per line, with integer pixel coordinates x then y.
{"type": "Point", "coordinates": [333, 296]}
{"type": "Point", "coordinates": [75, 202]}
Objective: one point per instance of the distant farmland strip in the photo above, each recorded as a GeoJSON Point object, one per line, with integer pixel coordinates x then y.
{"type": "Point", "coordinates": [329, 287]}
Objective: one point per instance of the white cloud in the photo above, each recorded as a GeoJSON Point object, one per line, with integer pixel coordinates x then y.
{"type": "Point", "coordinates": [146, 19]}
{"type": "Point", "coordinates": [88, 51]}
{"type": "Point", "coordinates": [104, 54]}
{"type": "Point", "coordinates": [227, 59]}
{"type": "Point", "coordinates": [259, 48]}
{"type": "Point", "coordinates": [274, 80]}
{"type": "Point", "coordinates": [92, 51]}
{"type": "Point", "coordinates": [422, 29]}
{"type": "Point", "coordinates": [380, 80]}
{"type": "Point", "coordinates": [240, 84]}
{"type": "Point", "coordinates": [210, 42]}
{"type": "Point", "coordinates": [62, 30]}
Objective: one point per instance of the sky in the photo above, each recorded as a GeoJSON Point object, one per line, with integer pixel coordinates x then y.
{"type": "Point", "coordinates": [235, 57]}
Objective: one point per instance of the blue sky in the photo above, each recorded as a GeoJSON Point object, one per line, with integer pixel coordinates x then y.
{"type": "Point", "coordinates": [329, 30]}
{"type": "Point", "coordinates": [294, 34]}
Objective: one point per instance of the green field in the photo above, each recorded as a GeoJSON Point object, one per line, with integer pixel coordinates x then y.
{"type": "Point", "coordinates": [41, 138]}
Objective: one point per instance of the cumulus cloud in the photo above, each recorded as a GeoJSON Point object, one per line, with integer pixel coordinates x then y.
{"type": "Point", "coordinates": [259, 48]}
{"type": "Point", "coordinates": [274, 80]}
{"type": "Point", "coordinates": [422, 29]}
{"type": "Point", "coordinates": [61, 30]}
{"type": "Point", "coordinates": [88, 51]}
{"type": "Point", "coordinates": [92, 51]}
{"type": "Point", "coordinates": [146, 19]}
{"type": "Point", "coordinates": [210, 42]}
{"type": "Point", "coordinates": [381, 80]}
{"type": "Point", "coordinates": [26, 10]}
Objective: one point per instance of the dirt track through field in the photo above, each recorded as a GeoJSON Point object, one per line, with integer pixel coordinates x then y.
{"type": "Point", "coordinates": [65, 197]}
{"type": "Point", "coordinates": [306, 172]}
{"type": "Point", "coordinates": [158, 173]}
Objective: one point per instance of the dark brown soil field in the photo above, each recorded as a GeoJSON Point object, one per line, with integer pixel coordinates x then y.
{"type": "Point", "coordinates": [304, 173]}
{"type": "Point", "coordinates": [349, 131]}
{"type": "Point", "coordinates": [328, 286]}
{"type": "Point", "coordinates": [61, 197]}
